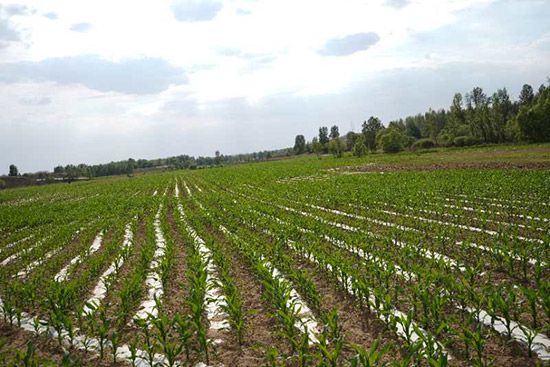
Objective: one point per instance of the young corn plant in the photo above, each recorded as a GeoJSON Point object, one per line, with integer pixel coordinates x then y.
{"type": "Point", "coordinates": [369, 358]}
{"type": "Point", "coordinates": [170, 349]}
{"type": "Point", "coordinates": [185, 333]}
{"type": "Point", "coordinates": [330, 342]}
{"type": "Point", "coordinates": [196, 300]}
{"type": "Point", "coordinates": [149, 342]}
{"type": "Point", "coordinates": [475, 341]}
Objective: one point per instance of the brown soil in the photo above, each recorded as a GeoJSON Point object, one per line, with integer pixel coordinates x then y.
{"type": "Point", "coordinates": [447, 166]}
{"type": "Point", "coordinates": [176, 289]}
{"type": "Point", "coordinates": [111, 299]}
{"type": "Point", "coordinates": [82, 268]}
{"type": "Point", "coordinates": [359, 326]}
{"type": "Point", "coordinates": [261, 327]}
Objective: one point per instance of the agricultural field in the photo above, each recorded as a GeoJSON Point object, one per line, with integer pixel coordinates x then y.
{"type": "Point", "coordinates": [441, 261]}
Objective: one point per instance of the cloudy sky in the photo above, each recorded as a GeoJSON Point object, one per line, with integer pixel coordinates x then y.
{"type": "Point", "coordinates": [102, 80]}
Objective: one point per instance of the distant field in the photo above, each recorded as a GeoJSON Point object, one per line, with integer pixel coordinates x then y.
{"type": "Point", "coordinates": [434, 258]}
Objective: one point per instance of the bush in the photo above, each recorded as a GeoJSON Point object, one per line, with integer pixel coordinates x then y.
{"type": "Point", "coordinates": [2, 184]}
{"type": "Point", "coordinates": [445, 139]}
{"type": "Point", "coordinates": [464, 141]}
{"type": "Point", "coordinates": [335, 147]}
{"type": "Point", "coordinates": [391, 141]}
{"type": "Point", "coordinates": [423, 144]}
{"type": "Point", "coordinates": [359, 148]}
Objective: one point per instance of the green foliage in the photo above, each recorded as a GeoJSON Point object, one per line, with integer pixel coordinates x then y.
{"type": "Point", "coordinates": [370, 130]}
{"type": "Point", "coordinates": [316, 146]}
{"type": "Point", "coordinates": [464, 141]}
{"type": "Point", "coordinates": [323, 135]}
{"type": "Point", "coordinates": [299, 144]}
{"type": "Point", "coordinates": [351, 138]}
{"type": "Point", "coordinates": [445, 139]}
{"type": "Point", "coordinates": [533, 119]}
{"type": "Point", "coordinates": [334, 132]}
{"type": "Point", "coordinates": [390, 140]}
{"type": "Point", "coordinates": [13, 170]}
{"type": "Point", "coordinates": [335, 147]}
{"type": "Point", "coordinates": [425, 143]}
{"type": "Point", "coordinates": [359, 148]}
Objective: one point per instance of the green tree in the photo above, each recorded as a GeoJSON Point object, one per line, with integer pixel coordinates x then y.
{"type": "Point", "coordinates": [534, 121]}
{"type": "Point", "coordinates": [316, 146]}
{"type": "Point", "coordinates": [323, 138]}
{"type": "Point", "coordinates": [13, 170]}
{"type": "Point", "coordinates": [217, 158]}
{"type": "Point", "coordinates": [323, 135]}
{"type": "Point", "coordinates": [359, 147]}
{"type": "Point", "coordinates": [299, 144]}
{"type": "Point", "coordinates": [411, 128]}
{"type": "Point", "coordinates": [501, 112]}
{"type": "Point", "coordinates": [526, 95]}
{"type": "Point", "coordinates": [351, 137]}
{"type": "Point", "coordinates": [334, 133]}
{"type": "Point", "coordinates": [399, 125]}
{"type": "Point", "coordinates": [478, 114]}
{"type": "Point", "coordinates": [457, 115]}
{"type": "Point", "coordinates": [369, 130]}
{"type": "Point", "coordinates": [390, 140]}
{"type": "Point", "coordinates": [335, 147]}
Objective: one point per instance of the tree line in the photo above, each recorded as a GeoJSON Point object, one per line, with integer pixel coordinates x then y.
{"type": "Point", "coordinates": [131, 165]}
{"type": "Point", "coordinates": [474, 118]}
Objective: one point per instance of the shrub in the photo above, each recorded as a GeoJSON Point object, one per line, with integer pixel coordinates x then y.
{"type": "Point", "coordinates": [445, 139]}
{"type": "Point", "coordinates": [423, 144]}
{"type": "Point", "coordinates": [359, 148]}
{"type": "Point", "coordinates": [463, 141]}
{"type": "Point", "coordinates": [391, 141]}
{"type": "Point", "coordinates": [335, 147]}
{"type": "Point", "coordinates": [2, 184]}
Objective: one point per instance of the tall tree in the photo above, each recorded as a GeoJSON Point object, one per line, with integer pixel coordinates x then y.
{"type": "Point", "coordinates": [501, 113]}
{"type": "Point", "coordinates": [478, 114]}
{"type": "Point", "coordinates": [334, 133]}
{"type": "Point", "coordinates": [526, 95]}
{"type": "Point", "coordinates": [432, 124]}
{"type": "Point", "coordinates": [323, 135]}
{"type": "Point", "coordinates": [457, 115]}
{"type": "Point", "coordinates": [534, 121]}
{"type": "Point", "coordinates": [217, 158]}
{"type": "Point", "coordinates": [370, 129]}
{"type": "Point", "coordinates": [299, 144]}
{"type": "Point", "coordinates": [13, 170]}
{"type": "Point", "coordinates": [411, 128]}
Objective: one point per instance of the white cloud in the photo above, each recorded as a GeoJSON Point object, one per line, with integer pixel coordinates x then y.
{"type": "Point", "coordinates": [350, 44]}
{"type": "Point", "coordinates": [139, 76]}
{"type": "Point", "coordinates": [195, 10]}
{"type": "Point", "coordinates": [81, 27]}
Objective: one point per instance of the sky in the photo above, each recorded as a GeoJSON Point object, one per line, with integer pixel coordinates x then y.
{"type": "Point", "coordinates": [99, 81]}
